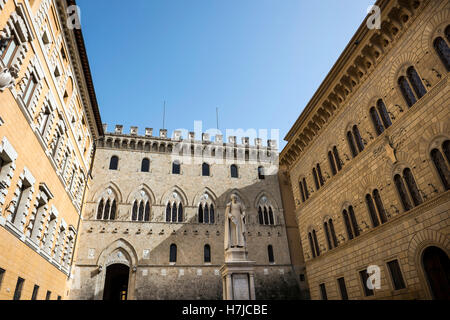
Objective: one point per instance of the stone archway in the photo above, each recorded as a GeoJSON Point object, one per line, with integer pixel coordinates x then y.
{"type": "Point", "coordinates": [436, 266]}
{"type": "Point", "coordinates": [116, 282]}
{"type": "Point", "coordinates": [121, 253]}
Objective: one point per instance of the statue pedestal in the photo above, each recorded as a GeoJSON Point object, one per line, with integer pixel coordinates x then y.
{"type": "Point", "coordinates": [238, 275]}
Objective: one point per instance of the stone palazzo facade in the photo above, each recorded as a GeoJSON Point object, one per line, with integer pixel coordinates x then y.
{"type": "Point", "coordinates": [156, 206]}
{"type": "Point", "coordinates": [369, 162]}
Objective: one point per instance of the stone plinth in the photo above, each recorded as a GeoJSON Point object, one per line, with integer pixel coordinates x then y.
{"type": "Point", "coordinates": [238, 275]}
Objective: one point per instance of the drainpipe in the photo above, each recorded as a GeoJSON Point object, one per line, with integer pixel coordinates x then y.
{"type": "Point", "coordinates": [89, 175]}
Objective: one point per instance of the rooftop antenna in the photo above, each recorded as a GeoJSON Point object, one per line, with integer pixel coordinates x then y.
{"type": "Point", "coordinates": [217, 118]}
{"type": "Point", "coordinates": [164, 115]}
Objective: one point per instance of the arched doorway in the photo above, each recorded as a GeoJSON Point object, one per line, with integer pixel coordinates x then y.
{"type": "Point", "coordinates": [116, 282]}
{"type": "Point", "coordinates": [436, 265]}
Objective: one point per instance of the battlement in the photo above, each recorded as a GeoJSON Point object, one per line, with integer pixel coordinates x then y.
{"type": "Point", "coordinates": [177, 138]}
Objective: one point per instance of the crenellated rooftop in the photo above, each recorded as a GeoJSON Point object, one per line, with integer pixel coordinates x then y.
{"type": "Point", "coordinates": [119, 139]}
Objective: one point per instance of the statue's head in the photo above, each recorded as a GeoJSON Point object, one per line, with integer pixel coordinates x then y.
{"type": "Point", "coordinates": [234, 198]}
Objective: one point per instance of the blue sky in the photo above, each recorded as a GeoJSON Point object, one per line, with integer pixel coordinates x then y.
{"type": "Point", "coordinates": [258, 61]}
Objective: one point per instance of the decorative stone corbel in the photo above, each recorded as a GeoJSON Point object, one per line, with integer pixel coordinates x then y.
{"type": "Point", "coordinates": [8, 78]}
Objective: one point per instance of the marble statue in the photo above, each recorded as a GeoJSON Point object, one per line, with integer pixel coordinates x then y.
{"type": "Point", "coordinates": [235, 224]}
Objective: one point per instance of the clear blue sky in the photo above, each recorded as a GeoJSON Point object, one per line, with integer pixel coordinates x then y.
{"type": "Point", "coordinates": [259, 61]}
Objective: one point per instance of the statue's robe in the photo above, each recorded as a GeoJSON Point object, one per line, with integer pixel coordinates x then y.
{"type": "Point", "coordinates": [234, 231]}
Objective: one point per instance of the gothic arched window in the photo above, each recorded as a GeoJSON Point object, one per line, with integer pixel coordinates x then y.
{"type": "Point", "coordinates": [145, 165]}
{"type": "Point", "coordinates": [376, 208]}
{"type": "Point", "coordinates": [337, 159]}
{"type": "Point", "coordinates": [376, 121]}
{"type": "Point", "coordinates": [351, 144]}
{"type": "Point", "coordinates": [302, 192]}
{"type": "Point", "coordinates": [416, 82]}
{"type": "Point", "coordinates": [332, 164]}
{"type": "Point", "coordinates": [441, 167]}
{"type": "Point", "coordinates": [107, 207]}
{"type": "Point", "coordinates": [200, 214]}
{"type": "Point", "coordinates": [358, 139]}
{"type": "Point", "coordinates": [399, 184]}
{"type": "Point", "coordinates": [412, 186]}
{"type": "Point", "coordinates": [108, 211]}
{"type": "Point", "coordinates": [407, 92]}
{"type": "Point", "coordinates": [316, 180]}
{"type": "Point", "coordinates": [173, 253]}
{"type": "Point", "coordinates": [114, 163]}
{"type": "Point", "coordinates": [265, 212]}
{"type": "Point", "coordinates": [100, 210]}
{"type": "Point", "coordinates": [351, 224]}
{"type": "Point", "coordinates": [443, 51]}
{"type": "Point", "coordinates": [180, 213]}
{"type": "Point", "coordinates": [168, 213]}
{"type": "Point", "coordinates": [305, 188]}
{"type": "Point", "coordinates": [234, 171]}
{"type": "Point", "coordinates": [384, 114]}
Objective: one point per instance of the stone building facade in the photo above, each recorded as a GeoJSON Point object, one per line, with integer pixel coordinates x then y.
{"type": "Point", "coordinates": [156, 206]}
{"type": "Point", "coordinates": [49, 120]}
{"type": "Point", "coordinates": [369, 162]}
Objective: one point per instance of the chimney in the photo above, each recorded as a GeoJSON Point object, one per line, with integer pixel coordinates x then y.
{"type": "Point", "coordinates": [232, 139]}
{"type": "Point", "coordinates": [219, 138]}
{"type": "Point", "coordinates": [119, 129]}
{"type": "Point", "coordinates": [148, 132]}
{"type": "Point", "coordinates": [163, 133]}
{"type": "Point", "coordinates": [177, 135]}
{"type": "Point", "coordinates": [133, 131]}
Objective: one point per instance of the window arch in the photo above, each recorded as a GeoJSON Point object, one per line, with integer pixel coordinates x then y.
{"type": "Point", "coordinates": [174, 210]}
{"type": "Point", "coordinates": [441, 165]}
{"type": "Point", "coordinates": [409, 195]}
{"type": "Point", "coordinates": [114, 163]}
{"type": "Point", "coordinates": [416, 82]}
{"type": "Point", "coordinates": [314, 244]}
{"type": "Point", "coordinates": [351, 224]}
{"type": "Point", "coordinates": [411, 86]}
{"type": "Point", "coordinates": [206, 213]}
{"type": "Point", "coordinates": [355, 141]}
{"type": "Point", "coordinates": [304, 189]}
{"type": "Point", "coordinates": [234, 171]}
{"type": "Point", "coordinates": [270, 254]}
{"type": "Point", "coordinates": [380, 117]}
{"type": "Point", "coordinates": [106, 209]}
{"type": "Point", "coordinates": [443, 51]}
{"type": "Point", "coordinates": [176, 167]}
{"type": "Point", "coordinates": [173, 253]}
{"type": "Point", "coordinates": [376, 208]}
{"type": "Point", "coordinates": [141, 208]}
{"type": "Point", "coordinates": [330, 234]}
{"type": "Point", "coordinates": [265, 212]}
{"type": "Point", "coordinates": [205, 170]}
{"type": "Point", "coordinates": [407, 92]}
{"type": "Point", "coordinates": [145, 165]}
{"type": "Point", "coordinates": [207, 253]}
